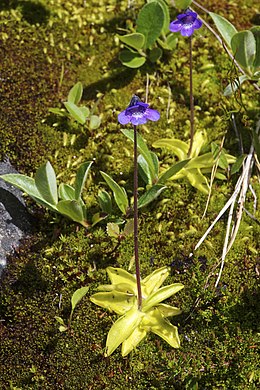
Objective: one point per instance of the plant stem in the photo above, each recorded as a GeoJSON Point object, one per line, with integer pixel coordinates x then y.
{"type": "Point", "coordinates": [191, 100]}
{"type": "Point", "coordinates": [137, 265]}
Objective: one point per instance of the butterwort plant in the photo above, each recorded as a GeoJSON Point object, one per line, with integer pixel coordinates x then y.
{"type": "Point", "coordinates": [186, 23]}
{"type": "Point", "coordinates": [138, 302]}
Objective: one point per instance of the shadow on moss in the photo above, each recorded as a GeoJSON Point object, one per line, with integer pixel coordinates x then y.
{"type": "Point", "coordinates": [32, 12]}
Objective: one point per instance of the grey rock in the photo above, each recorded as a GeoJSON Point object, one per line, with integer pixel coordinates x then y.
{"type": "Point", "coordinates": [15, 221]}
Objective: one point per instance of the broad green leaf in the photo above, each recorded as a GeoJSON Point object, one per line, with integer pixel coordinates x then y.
{"type": "Point", "coordinates": [243, 45]}
{"type": "Point", "coordinates": [85, 111]}
{"type": "Point", "coordinates": [143, 170]}
{"type": "Point", "coordinates": [166, 15]}
{"type": "Point", "coordinates": [150, 23]}
{"type": "Point", "coordinates": [256, 31]}
{"type": "Point", "coordinates": [145, 152]}
{"type": "Point", "coordinates": [133, 340]}
{"type": "Point", "coordinates": [167, 310]}
{"type": "Point", "coordinates": [197, 180]}
{"type": "Point", "coordinates": [72, 209]}
{"type": "Point", "coordinates": [182, 4]}
{"type": "Point", "coordinates": [178, 147]}
{"type": "Point", "coordinates": [122, 329]}
{"type": "Point", "coordinates": [129, 227]}
{"type": "Point", "coordinates": [119, 193]}
{"type": "Point", "coordinates": [46, 183]}
{"type": "Point", "coordinates": [116, 301]}
{"type": "Point", "coordinates": [150, 195]}
{"type": "Point", "coordinates": [113, 229]}
{"type": "Point", "coordinates": [238, 164]}
{"type": "Point", "coordinates": [153, 281]}
{"type": "Point", "coordinates": [118, 276]}
{"type": "Point", "coordinates": [171, 41]}
{"type": "Point", "coordinates": [94, 122]}
{"type": "Point", "coordinates": [160, 295]}
{"type": "Point", "coordinates": [172, 171]}
{"type": "Point", "coordinates": [162, 327]}
{"type": "Point", "coordinates": [57, 111]}
{"type": "Point", "coordinates": [75, 112]}
{"type": "Point", "coordinates": [23, 182]}
{"type": "Point", "coordinates": [256, 143]}
{"type": "Point", "coordinates": [77, 296]}
{"type": "Point", "coordinates": [134, 40]}
{"type": "Point", "coordinates": [66, 192]}
{"type": "Point", "coordinates": [226, 29]}
{"type": "Point", "coordinates": [59, 320]}
{"type": "Point", "coordinates": [105, 202]}
{"type": "Point", "coordinates": [155, 161]}
{"type": "Point", "coordinates": [205, 160]}
{"type": "Point", "coordinates": [75, 93]}
{"type": "Point", "coordinates": [155, 54]}
{"type": "Point", "coordinates": [199, 140]}
{"type": "Point", "coordinates": [131, 59]}
{"type": "Point", "coordinates": [81, 176]}
{"type": "Point", "coordinates": [234, 85]}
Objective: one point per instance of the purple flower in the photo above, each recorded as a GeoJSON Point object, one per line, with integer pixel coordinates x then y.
{"type": "Point", "coordinates": [137, 113]}
{"type": "Point", "coordinates": [186, 23]}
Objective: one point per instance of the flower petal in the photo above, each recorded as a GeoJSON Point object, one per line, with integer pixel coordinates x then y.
{"type": "Point", "coordinates": [175, 26]}
{"type": "Point", "coordinates": [197, 24]}
{"type": "Point", "coordinates": [152, 115]}
{"type": "Point", "coordinates": [123, 118]}
{"type": "Point", "coordinates": [182, 16]}
{"type": "Point", "coordinates": [138, 120]}
{"type": "Point", "coordinates": [187, 30]}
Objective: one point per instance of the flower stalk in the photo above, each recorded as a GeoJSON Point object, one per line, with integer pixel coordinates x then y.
{"type": "Point", "coordinates": [136, 253]}
{"type": "Point", "coordinates": [191, 99]}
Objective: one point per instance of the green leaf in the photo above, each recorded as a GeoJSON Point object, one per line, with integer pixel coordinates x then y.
{"type": "Point", "coordinates": [118, 276]}
{"type": "Point", "coordinates": [238, 164]}
{"type": "Point", "coordinates": [256, 144]}
{"type": "Point", "coordinates": [155, 54]}
{"type": "Point", "coordinates": [133, 340]}
{"type": "Point", "coordinates": [94, 122]}
{"type": "Point", "coordinates": [57, 111]}
{"type": "Point", "coordinates": [23, 182]}
{"type": "Point", "coordinates": [232, 87]}
{"type": "Point", "coordinates": [172, 171]}
{"type": "Point", "coordinates": [75, 94]}
{"type": "Point", "coordinates": [145, 152]}
{"type": "Point", "coordinates": [153, 281]}
{"type": "Point", "coordinates": [131, 59]}
{"type": "Point", "coordinates": [66, 192]}
{"type": "Point", "coordinates": [134, 40]}
{"type": "Point", "coordinates": [203, 161]}
{"type": "Point", "coordinates": [197, 180]}
{"type": "Point", "coordinates": [150, 195]}
{"type": "Point", "coordinates": [122, 329]}
{"type": "Point", "coordinates": [171, 41]}
{"type": "Point", "coordinates": [182, 4]}
{"type": "Point", "coordinates": [75, 112]}
{"type": "Point", "coordinates": [85, 111]}
{"type": "Point", "coordinates": [162, 327]}
{"type": "Point", "coordinates": [256, 31]}
{"type": "Point", "coordinates": [150, 23]}
{"type": "Point", "coordinates": [226, 29]}
{"type": "Point", "coordinates": [178, 147]}
{"type": "Point", "coordinates": [113, 229]}
{"type": "Point", "coordinates": [105, 202]}
{"type": "Point", "coordinates": [117, 301]}
{"type": "Point", "coordinates": [161, 294]}
{"type": "Point", "coordinates": [118, 192]}
{"type": "Point", "coordinates": [129, 227]}
{"type": "Point", "coordinates": [166, 14]}
{"type": "Point", "coordinates": [167, 310]}
{"type": "Point", "coordinates": [143, 170]}
{"type": "Point", "coordinates": [81, 177]}
{"type": "Point", "coordinates": [243, 45]}
{"type": "Point", "coordinates": [77, 296]}
{"type": "Point", "coordinates": [72, 209]}
{"type": "Point", "coordinates": [45, 181]}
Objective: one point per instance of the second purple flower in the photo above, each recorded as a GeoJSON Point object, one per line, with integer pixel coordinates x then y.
{"type": "Point", "coordinates": [186, 23]}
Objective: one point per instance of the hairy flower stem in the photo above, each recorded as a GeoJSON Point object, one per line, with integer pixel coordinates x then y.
{"type": "Point", "coordinates": [191, 100]}
{"type": "Point", "coordinates": [137, 265]}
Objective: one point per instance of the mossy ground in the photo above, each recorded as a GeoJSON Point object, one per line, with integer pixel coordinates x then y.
{"type": "Point", "coordinates": [45, 48]}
